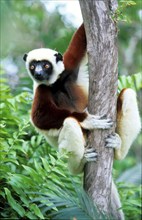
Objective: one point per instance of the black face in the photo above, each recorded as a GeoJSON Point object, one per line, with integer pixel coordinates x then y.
{"type": "Point", "coordinates": [41, 70]}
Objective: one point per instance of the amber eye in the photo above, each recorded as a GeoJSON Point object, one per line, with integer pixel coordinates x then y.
{"type": "Point", "coordinates": [32, 67]}
{"type": "Point", "coordinates": [46, 66]}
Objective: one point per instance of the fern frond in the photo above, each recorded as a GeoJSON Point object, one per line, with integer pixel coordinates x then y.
{"type": "Point", "coordinates": [62, 204]}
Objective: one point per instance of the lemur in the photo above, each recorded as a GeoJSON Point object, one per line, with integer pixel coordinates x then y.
{"type": "Point", "coordinates": [60, 102]}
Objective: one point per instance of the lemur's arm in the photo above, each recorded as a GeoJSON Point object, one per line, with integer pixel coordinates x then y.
{"type": "Point", "coordinates": [76, 49]}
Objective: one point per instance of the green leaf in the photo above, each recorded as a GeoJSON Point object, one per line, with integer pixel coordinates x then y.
{"type": "Point", "coordinates": [6, 160]}
{"type": "Point", "coordinates": [134, 81]}
{"type": "Point", "coordinates": [39, 168]}
{"type": "Point", "coordinates": [56, 170]}
{"type": "Point", "coordinates": [36, 210]}
{"type": "Point", "coordinates": [22, 195]}
{"type": "Point", "coordinates": [33, 173]}
{"type": "Point", "coordinates": [138, 80]}
{"type": "Point", "coordinates": [12, 202]}
{"type": "Point", "coordinates": [53, 160]}
{"type": "Point", "coordinates": [45, 164]}
{"type": "Point", "coordinates": [30, 215]}
{"type": "Point", "coordinates": [21, 181]}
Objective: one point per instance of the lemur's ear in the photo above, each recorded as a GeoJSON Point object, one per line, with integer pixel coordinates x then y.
{"type": "Point", "coordinates": [58, 56]}
{"type": "Point", "coordinates": [25, 56]}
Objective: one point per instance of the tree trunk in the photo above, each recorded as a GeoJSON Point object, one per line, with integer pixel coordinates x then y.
{"type": "Point", "coordinates": [101, 35]}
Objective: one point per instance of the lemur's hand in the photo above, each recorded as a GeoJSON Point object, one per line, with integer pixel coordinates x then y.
{"type": "Point", "coordinates": [96, 122]}
{"type": "Point", "coordinates": [90, 155]}
{"type": "Point", "coordinates": [113, 141]}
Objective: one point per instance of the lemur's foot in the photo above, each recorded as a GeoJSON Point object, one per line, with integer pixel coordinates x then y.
{"type": "Point", "coordinates": [113, 141]}
{"type": "Point", "coordinates": [90, 155]}
{"type": "Point", "coordinates": [96, 122]}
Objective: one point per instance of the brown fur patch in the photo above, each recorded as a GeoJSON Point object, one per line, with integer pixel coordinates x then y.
{"type": "Point", "coordinates": [46, 114]}
{"type": "Point", "coordinates": [120, 100]}
{"type": "Point", "coordinates": [74, 100]}
{"type": "Point", "coordinates": [81, 98]}
{"type": "Point", "coordinates": [76, 49]}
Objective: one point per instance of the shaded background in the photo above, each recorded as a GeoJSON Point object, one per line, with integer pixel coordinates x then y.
{"type": "Point", "coordinates": [29, 24]}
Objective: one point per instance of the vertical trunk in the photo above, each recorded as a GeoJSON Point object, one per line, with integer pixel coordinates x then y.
{"type": "Point", "coordinates": [101, 35]}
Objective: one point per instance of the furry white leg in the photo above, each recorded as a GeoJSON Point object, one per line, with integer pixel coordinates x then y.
{"type": "Point", "coordinates": [96, 122]}
{"type": "Point", "coordinates": [128, 121]}
{"type": "Point", "coordinates": [51, 136]}
{"type": "Point", "coordinates": [71, 140]}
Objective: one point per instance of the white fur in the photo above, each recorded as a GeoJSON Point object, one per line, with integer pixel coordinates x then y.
{"type": "Point", "coordinates": [46, 54]}
{"type": "Point", "coordinates": [71, 140]}
{"type": "Point", "coordinates": [83, 76]}
{"type": "Point", "coordinates": [128, 123]}
{"type": "Point", "coordinates": [50, 135]}
{"type": "Point", "coordinates": [35, 85]}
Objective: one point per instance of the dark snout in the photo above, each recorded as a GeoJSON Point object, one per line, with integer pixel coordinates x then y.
{"type": "Point", "coordinates": [39, 73]}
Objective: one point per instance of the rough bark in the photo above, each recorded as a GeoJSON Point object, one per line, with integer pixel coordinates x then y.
{"type": "Point", "coordinates": [101, 35]}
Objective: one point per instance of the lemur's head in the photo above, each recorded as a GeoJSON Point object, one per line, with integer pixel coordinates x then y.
{"type": "Point", "coordinates": [44, 65]}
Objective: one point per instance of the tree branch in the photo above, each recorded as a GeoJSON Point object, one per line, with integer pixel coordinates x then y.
{"type": "Point", "coordinates": [101, 35]}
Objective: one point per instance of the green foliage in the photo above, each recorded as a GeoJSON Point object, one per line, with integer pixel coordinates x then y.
{"type": "Point", "coordinates": [18, 208]}
{"type": "Point", "coordinates": [12, 128]}
{"type": "Point", "coordinates": [72, 205]}
{"type": "Point", "coordinates": [131, 175]}
{"type": "Point", "coordinates": [134, 82]}
{"type": "Point", "coordinates": [131, 200]}
{"type": "Point", "coordinates": [129, 187]}
{"type": "Point", "coordinates": [120, 14]}
{"type": "Point", "coordinates": [129, 36]}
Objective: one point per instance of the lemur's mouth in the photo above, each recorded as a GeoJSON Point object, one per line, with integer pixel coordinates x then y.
{"type": "Point", "coordinates": [41, 77]}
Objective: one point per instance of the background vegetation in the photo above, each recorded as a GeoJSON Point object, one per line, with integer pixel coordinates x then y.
{"type": "Point", "coordinates": [34, 180]}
